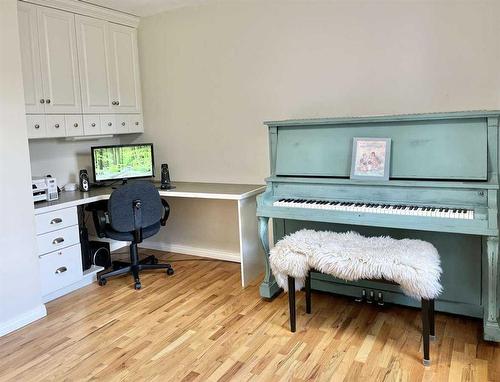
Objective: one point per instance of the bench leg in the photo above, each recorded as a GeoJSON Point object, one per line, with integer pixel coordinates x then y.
{"type": "Point", "coordinates": [432, 323]}
{"type": "Point", "coordinates": [291, 302]}
{"type": "Point", "coordinates": [308, 293]}
{"type": "Point", "coordinates": [425, 330]}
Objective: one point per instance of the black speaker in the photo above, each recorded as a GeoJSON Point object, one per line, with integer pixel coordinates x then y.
{"type": "Point", "coordinates": [100, 253]}
{"type": "Point", "coordinates": [84, 181]}
{"type": "Point", "coordinates": [165, 178]}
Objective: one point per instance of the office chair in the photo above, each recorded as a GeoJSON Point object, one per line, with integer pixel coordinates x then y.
{"type": "Point", "coordinates": [133, 212]}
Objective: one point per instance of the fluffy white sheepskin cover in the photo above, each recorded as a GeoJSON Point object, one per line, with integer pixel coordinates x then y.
{"type": "Point", "coordinates": [413, 264]}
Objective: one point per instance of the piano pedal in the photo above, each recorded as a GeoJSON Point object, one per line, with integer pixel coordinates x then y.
{"type": "Point", "coordinates": [380, 299]}
{"type": "Point", "coordinates": [362, 297]}
{"type": "Point", "coordinates": [371, 297]}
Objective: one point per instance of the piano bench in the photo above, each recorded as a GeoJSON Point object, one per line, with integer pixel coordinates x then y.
{"type": "Point", "coordinates": [414, 265]}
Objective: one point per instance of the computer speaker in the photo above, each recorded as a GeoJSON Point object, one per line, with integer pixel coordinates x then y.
{"type": "Point", "coordinates": [165, 178]}
{"type": "Point", "coordinates": [84, 181]}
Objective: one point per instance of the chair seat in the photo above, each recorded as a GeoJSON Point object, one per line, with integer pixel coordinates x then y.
{"type": "Point", "coordinates": [129, 236]}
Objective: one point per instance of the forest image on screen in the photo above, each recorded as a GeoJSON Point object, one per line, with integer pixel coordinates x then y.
{"type": "Point", "coordinates": [123, 162]}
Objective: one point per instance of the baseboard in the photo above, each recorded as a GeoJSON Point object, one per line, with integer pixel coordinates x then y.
{"type": "Point", "coordinates": [23, 319]}
{"type": "Point", "coordinates": [195, 251]}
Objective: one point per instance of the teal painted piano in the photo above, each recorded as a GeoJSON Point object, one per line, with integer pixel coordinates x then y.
{"type": "Point", "coordinates": [446, 163]}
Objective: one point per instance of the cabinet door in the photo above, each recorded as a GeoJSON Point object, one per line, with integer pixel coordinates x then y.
{"type": "Point", "coordinates": [57, 37]}
{"type": "Point", "coordinates": [125, 85]}
{"type": "Point", "coordinates": [30, 58]}
{"type": "Point", "coordinates": [93, 57]}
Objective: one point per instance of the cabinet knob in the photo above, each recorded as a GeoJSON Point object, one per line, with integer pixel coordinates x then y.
{"type": "Point", "coordinates": [47, 100]}
{"type": "Point", "coordinates": [56, 125]}
{"type": "Point", "coordinates": [58, 240]}
{"type": "Point", "coordinates": [137, 123]}
{"type": "Point", "coordinates": [75, 125]}
{"type": "Point", "coordinates": [92, 124]}
{"type": "Point", "coordinates": [61, 270]}
{"type": "Point", "coordinates": [110, 124]}
{"type": "Point", "coordinates": [42, 101]}
{"type": "Point", "coordinates": [117, 102]}
{"type": "Point", "coordinates": [123, 123]}
{"type": "Point", "coordinates": [37, 126]}
{"type": "Point", "coordinates": [113, 103]}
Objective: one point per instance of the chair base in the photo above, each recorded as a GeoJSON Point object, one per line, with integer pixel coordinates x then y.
{"type": "Point", "coordinates": [134, 267]}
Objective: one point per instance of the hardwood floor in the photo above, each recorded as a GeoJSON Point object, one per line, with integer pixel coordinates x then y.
{"type": "Point", "coordinates": [199, 325]}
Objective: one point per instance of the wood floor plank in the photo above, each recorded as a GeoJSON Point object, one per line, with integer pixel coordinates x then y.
{"type": "Point", "coordinates": [199, 325]}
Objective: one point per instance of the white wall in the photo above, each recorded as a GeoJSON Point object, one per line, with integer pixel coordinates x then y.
{"type": "Point", "coordinates": [20, 300]}
{"type": "Point", "coordinates": [212, 74]}
{"type": "Point", "coordinates": [64, 159]}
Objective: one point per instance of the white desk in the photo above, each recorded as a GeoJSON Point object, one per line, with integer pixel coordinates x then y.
{"type": "Point", "coordinates": [244, 196]}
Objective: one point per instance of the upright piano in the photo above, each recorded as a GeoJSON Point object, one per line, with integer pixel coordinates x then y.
{"type": "Point", "coordinates": [443, 188]}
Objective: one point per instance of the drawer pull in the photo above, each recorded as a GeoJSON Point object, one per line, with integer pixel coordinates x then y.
{"type": "Point", "coordinates": [59, 240]}
{"type": "Point", "coordinates": [56, 221]}
{"type": "Point", "coordinates": [61, 270]}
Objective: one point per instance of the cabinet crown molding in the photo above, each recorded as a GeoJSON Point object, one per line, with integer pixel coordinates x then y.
{"type": "Point", "coordinates": [91, 10]}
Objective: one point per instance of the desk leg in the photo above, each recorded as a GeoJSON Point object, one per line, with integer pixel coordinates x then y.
{"type": "Point", "coordinates": [269, 288]}
{"type": "Point", "coordinates": [251, 255]}
{"type": "Point", "coordinates": [491, 326]}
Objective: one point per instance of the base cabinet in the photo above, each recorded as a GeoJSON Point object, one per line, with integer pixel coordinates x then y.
{"type": "Point", "coordinates": [59, 253]}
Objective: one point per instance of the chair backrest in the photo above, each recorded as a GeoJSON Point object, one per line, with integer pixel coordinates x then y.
{"type": "Point", "coordinates": [133, 206]}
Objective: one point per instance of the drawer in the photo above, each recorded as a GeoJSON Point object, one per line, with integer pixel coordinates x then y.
{"type": "Point", "coordinates": [135, 123]}
{"type": "Point", "coordinates": [49, 242]}
{"type": "Point", "coordinates": [122, 123]}
{"type": "Point", "coordinates": [52, 221]}
{"type": "Point", "coordinates": [91, 124]}
{"type": "Point", "coordinates": [108, 123]}
{"type": "Point", "coordinates": [55, 125]}
{"type": "Point", "coordinates": [74, 125]}
{"type": "Point", "coordinates": [60, 268]}
{"type": "Point", "coordinates": [36, 126]}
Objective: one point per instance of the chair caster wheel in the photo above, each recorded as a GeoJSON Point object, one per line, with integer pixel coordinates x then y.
{"type": "Point", "coordinates": [170, 271]}
{"type": "Point", "coordinates": [102, 282]}
{"type": "Point", "coordinates": [137, 285]}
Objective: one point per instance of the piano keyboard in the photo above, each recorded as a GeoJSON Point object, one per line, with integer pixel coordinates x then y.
{"type": "Point", "coordinates": [376, 208]}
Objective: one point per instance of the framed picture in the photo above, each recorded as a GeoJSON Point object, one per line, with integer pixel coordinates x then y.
{"type": "Point", "coordinates": [371, 158]}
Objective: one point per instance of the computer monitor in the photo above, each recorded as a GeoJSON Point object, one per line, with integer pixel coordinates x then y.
{"type": "Point", "coordinates": [121, 162]}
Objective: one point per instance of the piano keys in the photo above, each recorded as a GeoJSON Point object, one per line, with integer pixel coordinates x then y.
{"type": "Point", "coordinates": [378, 208]}
{"type": "Point", "coordinates": [443, 180]}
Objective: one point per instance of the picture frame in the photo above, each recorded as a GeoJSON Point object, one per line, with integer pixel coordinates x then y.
{"type": "Point", "coordinates": [371, 158]}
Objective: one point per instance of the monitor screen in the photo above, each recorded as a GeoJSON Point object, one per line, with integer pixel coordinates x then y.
{"type": "Point", "coordinates": [122, 162]}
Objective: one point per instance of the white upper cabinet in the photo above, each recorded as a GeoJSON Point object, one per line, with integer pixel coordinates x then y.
{"type": "Point", "coordinates": [58, 56]}
{"type": "Point", "coordinates": [80, 69]}
{"type": "Point", "coordinates": [94, 60]}
{"type": "Point", "coordinates": [125, 84]}
{"type": "Point", "coordinates": [30, 58]}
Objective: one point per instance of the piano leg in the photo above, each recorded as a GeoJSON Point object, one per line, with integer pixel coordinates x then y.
{"type": "Point", "coordinates": [269, 288]}
{"type": "Point", "coordinates": [491, 326]}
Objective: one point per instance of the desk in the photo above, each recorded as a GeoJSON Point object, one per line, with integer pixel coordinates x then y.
{"type": "Point", "coordinates": [243, 195]}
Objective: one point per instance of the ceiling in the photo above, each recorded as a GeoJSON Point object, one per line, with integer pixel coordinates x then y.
{"type": "Point", "coordinates": [144, 7]}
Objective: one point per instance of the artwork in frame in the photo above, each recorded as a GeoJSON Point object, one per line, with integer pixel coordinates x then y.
{"type": "Point", "coordinates": [371, 158]}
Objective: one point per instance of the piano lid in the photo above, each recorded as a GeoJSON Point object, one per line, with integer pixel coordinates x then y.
{"type": "Point", "coordinates": [438, 146]}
